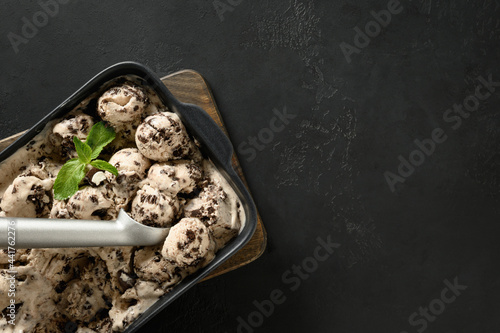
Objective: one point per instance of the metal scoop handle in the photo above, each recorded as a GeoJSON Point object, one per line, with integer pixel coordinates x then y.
{"type": "Point", "coordinates": [22, 233]}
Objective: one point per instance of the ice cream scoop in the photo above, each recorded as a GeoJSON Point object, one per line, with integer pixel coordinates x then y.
{"type": "Point", "coordinates": [162, 137]}
{"type": "Point", "coordinates": [189, 243]}
{"type": "Point", "coordinates": [32, 233]}
{"type": "Point", "coordinates": [122, 104]}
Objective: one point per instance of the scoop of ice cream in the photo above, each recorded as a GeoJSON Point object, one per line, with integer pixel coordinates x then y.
{"type": "Point", "coordinates": [151, 266]}
{"type": "Point", "coordinates": [130, 161]}
{"type": "Point", "coordinates": [59, 266]}
{"type": "Point", "coordinates": [131, 166]}
{"type": "Point", "coordinates": [20, 256]}
{"type": "Point", "coordinates": [33, 300]}
{"type": "Point", "coordinates": [91, 203]}
{"type": "Point", "coordinates": [27, 197]}
{"type": "Point", "coordinates": [122, 105]}
{"type": "Point", "coordinates": [118, 262]}
{"type": "Point", "coordinates": [134, 301]}
{"type": "Point", "coordinates": [82, 297]}
{"type": "Point", "coordinates": [153, 208]}
{"type": "Point", "coordinates": [189, 243]}
{"type": "Point", "coordinates": [59, 210]}
{"type": "Point", "coordinates": [162, 137]}
{"type": "Point", "coordinates": [218, 211]}
{"type": "Point", "coordinates": [78, 125]}
{"type": "Point", "coordinates": [80, 301]}
{"type": "Point", "coordinates": [174, 177]}
{"type": "Point", "coordinates": [43, 168]}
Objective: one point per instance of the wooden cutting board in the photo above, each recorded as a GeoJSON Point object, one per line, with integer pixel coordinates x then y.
{"type": "Point", "coordinates": [190, 87]}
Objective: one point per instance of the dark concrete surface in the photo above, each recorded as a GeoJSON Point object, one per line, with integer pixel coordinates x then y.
{"type": "Point", "coordinates": [321, 174]}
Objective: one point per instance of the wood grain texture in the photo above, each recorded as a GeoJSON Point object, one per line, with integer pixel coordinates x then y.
{"type": "Point", "coordinates": [190, 87]}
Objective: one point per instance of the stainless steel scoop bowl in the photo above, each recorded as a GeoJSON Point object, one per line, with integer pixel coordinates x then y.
{"type": "Point", "coordinates": [22, 233]}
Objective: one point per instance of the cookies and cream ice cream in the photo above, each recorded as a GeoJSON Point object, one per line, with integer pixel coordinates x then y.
{"type": "Point", "coordinates": [89, 203]}
{"type": "Point", "coordinates": [162, 137]}
{"type": "Point", "coordinates": [163, 181]}
{"type": "Point", "coordinates": [154, 208]}
{"type": "Point", "coordinates": [132, 167]}
{"type": "Point", "coordinates": [28, 196]}
{"type": "Point", "coordinates": [77, 124]}
{"type": "Point", "coordinates": [215, 206]}
{"type": "Point", "coordinates": [175, 177]}
{"type": "Point", "coordinates": [189, 243]}
{"type": "Point", "coordinates": [122, 105]}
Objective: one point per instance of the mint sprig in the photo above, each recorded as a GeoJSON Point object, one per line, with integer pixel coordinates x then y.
{"type": "Point", "coordinates": [103, 165]}
{"type": "Point", "coordinates": [99, 137]}
{"type": "Point", "coordinates": [68, 178]}
{"type": "Point", "coordinates": [83, 150]}
{"type": "Point", "coordinates": [73, 171]}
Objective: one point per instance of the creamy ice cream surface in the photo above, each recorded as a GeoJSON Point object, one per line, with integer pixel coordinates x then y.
{"type": "Point", "coordinates": [154, 208]}
{"type": "Point", "coordinates": [217, 206]}
{"type": "Point", "coordinates": [122, 104]}
{"type": "Point", "coordinates": [132, 167]}
{"type": "Point", "coordinates": [189, 243]}
{"type": "Point", "coordinates": [163, 181]}
{"type": "Point", "coordinates": [162, 137]}
{"type": "Point", "coordinates": [77, 124]}
{"type": "Point", "coordinates": [28, 196]}
{"type": "Point", "coordinates": [175, 177]}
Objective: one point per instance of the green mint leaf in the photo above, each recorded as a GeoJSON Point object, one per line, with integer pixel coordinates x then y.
{"type": "Point", "coordinates": [99, 137]}
{"type": "Point", "coordinates": [103, 165]}
{"type": "Point", "coordinates": [83, 150]}
{"type": "Point", "coordinates": [68, 179]}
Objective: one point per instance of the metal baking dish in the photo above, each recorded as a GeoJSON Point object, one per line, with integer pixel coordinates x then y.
{"type": "Point", "coordinates": [215, 145]}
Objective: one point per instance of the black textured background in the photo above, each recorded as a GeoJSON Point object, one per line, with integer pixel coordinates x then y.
{"type": "Point", "coordinates": [323, 174]}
